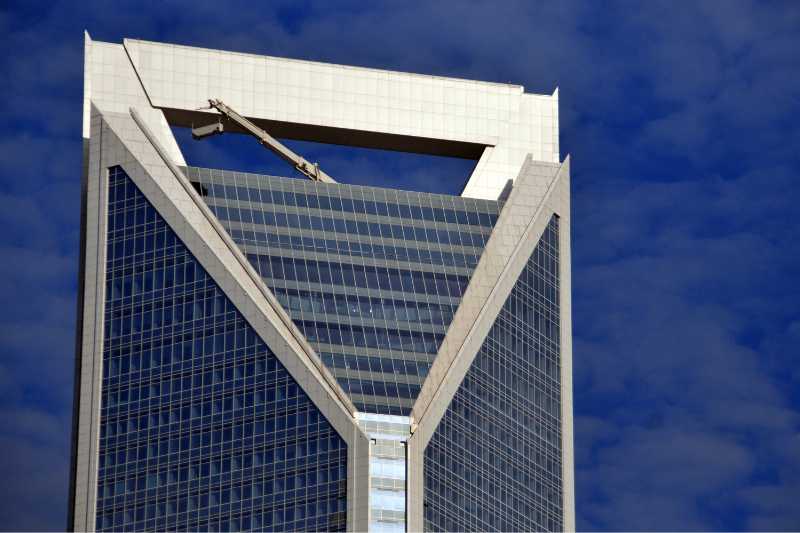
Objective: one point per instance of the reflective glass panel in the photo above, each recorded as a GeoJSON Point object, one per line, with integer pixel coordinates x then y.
{"type": "Point", "coordinates": [371, 276]}
{"type": "Point", "coordinates": [202, 428]}
{"type": "Point", "coordinates": [494, 461]}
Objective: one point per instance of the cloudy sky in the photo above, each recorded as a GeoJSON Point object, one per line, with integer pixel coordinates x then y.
{"type": "Point", "coordinates": [682, 121]}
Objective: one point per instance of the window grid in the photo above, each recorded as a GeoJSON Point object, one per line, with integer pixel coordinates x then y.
{"type": "Point", "coordinates": [364, 272]}
{"type": "Point", "coordinates": [201, 426]}
{"type": "Point", "coordinates": [494, 461]}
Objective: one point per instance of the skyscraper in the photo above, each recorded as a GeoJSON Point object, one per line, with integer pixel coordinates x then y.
{"type": "Point", "coordinates": [272, 353]}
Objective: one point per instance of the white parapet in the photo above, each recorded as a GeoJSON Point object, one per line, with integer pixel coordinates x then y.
{"type": "Point", "coordinates": [499, 123]}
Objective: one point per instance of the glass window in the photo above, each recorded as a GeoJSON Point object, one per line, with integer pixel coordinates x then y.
{"type": "Point", "coordinates": [144, 396]}
{"type": "Point", "coordinates": [469, 467]}
{"type": "Point", "coordinates": [337, 242]}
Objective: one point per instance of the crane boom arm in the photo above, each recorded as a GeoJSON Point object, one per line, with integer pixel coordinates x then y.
{"type": "Point", "coordinates": [311, 170]}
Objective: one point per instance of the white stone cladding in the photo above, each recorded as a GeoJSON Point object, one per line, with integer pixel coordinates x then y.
{"type": "Point", "coordinates": [111, 84]}
{"type": "Point", "coordinates": [503, 118]}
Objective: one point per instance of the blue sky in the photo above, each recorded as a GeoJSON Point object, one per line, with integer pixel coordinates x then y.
{"type": "Point", "coordinates": [681, 119]}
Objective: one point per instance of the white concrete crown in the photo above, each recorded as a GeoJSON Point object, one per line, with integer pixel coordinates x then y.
{"type": "Point", "coordinates": [504, 122]}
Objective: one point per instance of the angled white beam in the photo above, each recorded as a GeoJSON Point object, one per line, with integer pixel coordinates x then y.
{"type": "Point", "coordinates": [117, 139]}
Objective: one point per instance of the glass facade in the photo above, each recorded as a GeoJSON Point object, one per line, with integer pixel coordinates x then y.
{"type": "Point", "coordinates": [371, 276]}
{"type": "Point", "coordinates": [494, 461]}
{"type": "Point", "coordinates": [202, 428]}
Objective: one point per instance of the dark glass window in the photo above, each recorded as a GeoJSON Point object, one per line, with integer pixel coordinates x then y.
{"type": "Point", "coordinates": [202, 428]}
{"type": "Point", "coordinates": [363, 271]}
{"type": "Point", "coordinates": [494, 461]}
